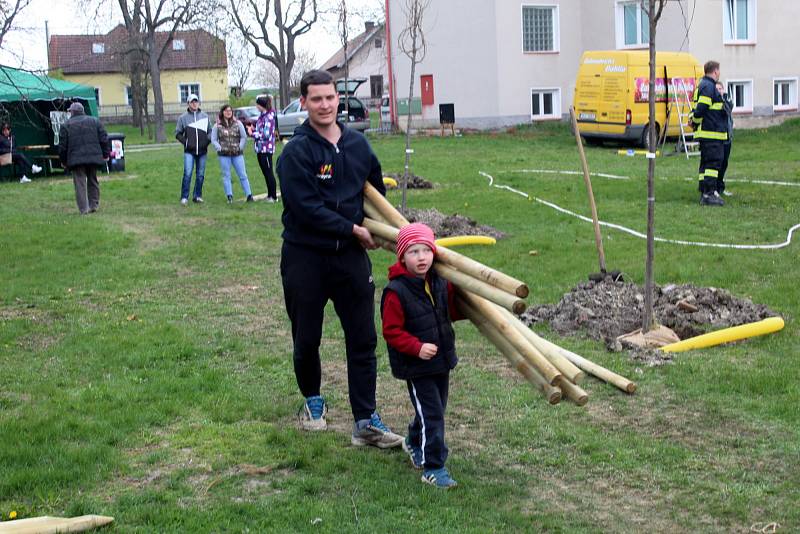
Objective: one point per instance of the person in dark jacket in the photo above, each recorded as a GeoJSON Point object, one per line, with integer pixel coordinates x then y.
{"type": "Point", "coordinates": [322, 173]}
{"type": "Point", "coordinates": [728, 143]}
{"type": "Point", "coordinates": [83, 145]}
{"type": "Point", "coordinates": [416, 308]}
{"type": "Point", "coordinates": [265, 133]}
{"type": "Point", "coordinates": [710, 122]}
{"type": "Point", "coordinates": [7, 146]}
{"type": "Point", "coordinates": [193, 130]}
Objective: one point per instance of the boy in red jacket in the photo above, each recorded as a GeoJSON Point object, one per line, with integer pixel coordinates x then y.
{"type": "Point", "coordinates": [417, 307]}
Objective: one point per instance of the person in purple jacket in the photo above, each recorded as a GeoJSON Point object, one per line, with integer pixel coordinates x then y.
{"type": "Point", "coordinates": [264, 135]}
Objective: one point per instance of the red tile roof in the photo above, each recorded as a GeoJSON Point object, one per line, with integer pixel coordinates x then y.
{"type": "Point", "coordinates": [73, 53]}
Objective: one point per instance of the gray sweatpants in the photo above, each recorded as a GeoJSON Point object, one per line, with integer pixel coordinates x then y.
{"type": "Point", "coordinates": [87, 188]}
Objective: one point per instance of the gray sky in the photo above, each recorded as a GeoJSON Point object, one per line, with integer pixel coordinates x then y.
{"type": "Point", "coordinates": [27, 46]}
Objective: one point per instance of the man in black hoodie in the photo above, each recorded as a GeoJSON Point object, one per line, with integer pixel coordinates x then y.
{"type": "Point", "coordinates": [322, 173]}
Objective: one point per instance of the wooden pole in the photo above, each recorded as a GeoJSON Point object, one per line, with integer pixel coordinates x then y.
{"type": "Point", "coordinates": [551, 393]}
{"type": "Point", "coordinates": [489, 292]}
{"type": "Point", "coordinates": [454, 259]}
{"type": "Point", "coordinates": [567, 368]}
{"type": "Point", "coordinates": [385, 207]}
{"type": "Point", "coordinates": [517, 340]}
{"type": "Point", "coordinates": [598, 241]}
{"type": "Point", "coordinates": [597, 370]}
{"type": "Point", "coordinates": [573, 392]}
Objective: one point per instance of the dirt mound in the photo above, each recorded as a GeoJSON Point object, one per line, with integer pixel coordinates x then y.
{"type": "Point", "coordinates": [414, 181]}
{"type": "Point", "coordinates": [607, 309]}
{"type": "Point", "coordinates": [451, 225]}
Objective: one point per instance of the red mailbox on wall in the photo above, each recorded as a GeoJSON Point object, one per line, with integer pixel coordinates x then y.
{"type": "Point", "coordinates": [426, 81]}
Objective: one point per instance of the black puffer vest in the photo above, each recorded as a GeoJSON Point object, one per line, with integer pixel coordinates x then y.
{"type": "Point", "coordinates": [428, 323]}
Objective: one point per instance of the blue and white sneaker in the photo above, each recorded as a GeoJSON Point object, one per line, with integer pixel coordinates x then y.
{"type": "Point", "coordinates": [373, 432]}
{"type": "Point", "coordinates": [414, 453]}
{"type": "Point", "coordinates": [439, 478]}
{"type": "Point", "coordinates": [313, 414]}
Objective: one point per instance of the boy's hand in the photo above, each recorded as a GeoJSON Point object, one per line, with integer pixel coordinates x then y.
{"type": "Point", "coordinates": [428, 351]}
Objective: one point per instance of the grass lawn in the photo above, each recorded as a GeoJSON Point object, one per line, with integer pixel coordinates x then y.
{"type": "Point", "coordinates": [146, 374]}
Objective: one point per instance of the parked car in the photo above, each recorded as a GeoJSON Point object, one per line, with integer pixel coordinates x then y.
{"type": "Point", "coordinates": [246, 115]}
{"type": "Point", "coordinates": [357, 116]}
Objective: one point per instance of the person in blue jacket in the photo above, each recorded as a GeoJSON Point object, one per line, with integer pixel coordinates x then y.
{"type": "Point", "coordinates": [322, 173]}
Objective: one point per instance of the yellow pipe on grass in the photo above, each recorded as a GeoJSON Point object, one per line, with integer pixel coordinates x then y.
{"type": "Point", "coordinates": [389, 182]}
{"type": "Point", "coordinates": [726, 335]}
{"type": "Point", "coordinates": [465, 240]}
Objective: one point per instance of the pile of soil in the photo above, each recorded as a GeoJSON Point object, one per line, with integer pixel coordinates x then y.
{"type": "Point", "coordinates": [606, 309]}
{"type": "Point", "coordinates": [414, 181]}
{"type": "Point", "coordinates": [451, 225]}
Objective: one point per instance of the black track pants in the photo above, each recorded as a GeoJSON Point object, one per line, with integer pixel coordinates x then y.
{"type": "Point", "coordinates": [310, 279]}
{"type": "Point", "coordinates": [712, 154]}
{"type": "Point", "coordinates": [726, 154]}
{"type": "Point", "coordinates": [429, 398]}
{"type": "Point", "coordinates": [265, 162]}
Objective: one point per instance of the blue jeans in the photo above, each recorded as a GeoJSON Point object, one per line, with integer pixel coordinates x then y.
{"type": "Point", "coordinates": [238, 165]}
{"type": "Point", "coordinates": [189, 161]}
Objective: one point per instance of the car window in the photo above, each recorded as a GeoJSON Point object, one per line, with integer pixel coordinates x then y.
{"type": "Point", "coordinates": [293, 107]}
{"type": "Point", "coordinates": [355, 103]}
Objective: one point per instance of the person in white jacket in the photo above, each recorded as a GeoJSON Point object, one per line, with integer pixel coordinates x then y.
{"type": "Point", "coordinates": [229, 139]}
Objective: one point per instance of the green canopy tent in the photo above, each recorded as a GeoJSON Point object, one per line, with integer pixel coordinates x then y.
{"type": "Point", "coordinates": [32, 103]}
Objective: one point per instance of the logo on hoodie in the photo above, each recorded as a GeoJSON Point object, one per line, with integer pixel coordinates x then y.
{"type": "Point", "coordinates": [325, 172]}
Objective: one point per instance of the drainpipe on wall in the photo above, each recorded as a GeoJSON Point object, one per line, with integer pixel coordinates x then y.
{"type": "Point", "coordinates": [392, 110]}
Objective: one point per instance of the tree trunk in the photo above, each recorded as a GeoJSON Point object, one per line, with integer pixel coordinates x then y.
{"type": "Point", "coordinates": [648, 321]}
{"type": "Point", "coordinates": [158, 97]}
{"type": "Point", "coordinates": [407, 171]}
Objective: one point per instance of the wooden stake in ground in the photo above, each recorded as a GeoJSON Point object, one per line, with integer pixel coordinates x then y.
{"type": "Point", "coordinates": [598, 241]}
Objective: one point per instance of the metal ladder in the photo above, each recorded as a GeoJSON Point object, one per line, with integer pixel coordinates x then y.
{"type": "Point", "coordinates": [682, 103]}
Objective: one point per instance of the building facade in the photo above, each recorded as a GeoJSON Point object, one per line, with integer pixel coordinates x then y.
{"type": "Point", "coordinates": [194, 62]}
{"type": "Point", "coordinates": [366, 58]}
{"type": "Point", "coordinates": [502, 63]}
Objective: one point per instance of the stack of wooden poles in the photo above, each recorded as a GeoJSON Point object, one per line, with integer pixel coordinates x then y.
{"type": "Point", "coordinates": [488, 297]}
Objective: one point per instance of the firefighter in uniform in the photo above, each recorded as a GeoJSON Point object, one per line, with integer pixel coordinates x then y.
{"type": "Point", "coordinates": [710, 121]}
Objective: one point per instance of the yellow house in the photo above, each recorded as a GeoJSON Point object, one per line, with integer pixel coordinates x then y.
{"type": "Point", "coordinates": [194, 62]}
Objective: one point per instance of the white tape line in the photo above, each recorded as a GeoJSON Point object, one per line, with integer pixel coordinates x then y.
{"type": "Point", "coordinates": [634, 233]}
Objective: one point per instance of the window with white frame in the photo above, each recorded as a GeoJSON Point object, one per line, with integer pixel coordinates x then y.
{"type": "Point", "coordinates": [633, 25]}
{"type": "Point", "coordinates": [545, 104]}
{"type": "Point", "coordinates": [540, 28]}
{"type": "Point", "coordinates": [128, 95]}
{"type": "Point", "coordinates": [98, 48]}
{"type": "Point", "coordinates": [741, 92]}
{"type": "Point", "coordinates": [187, 89]}
{"type": "Point", "coordinates": [178, 44]}
{"type": "Point", "coordinates": [784, 94]}
{"type": "Point", "coordinates": [739, 21]}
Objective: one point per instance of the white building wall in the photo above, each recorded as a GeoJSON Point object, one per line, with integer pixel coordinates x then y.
{"type": "Point", "coordinates": [461, 56]}
{"type": "Point", "coordinates": [475, 52]}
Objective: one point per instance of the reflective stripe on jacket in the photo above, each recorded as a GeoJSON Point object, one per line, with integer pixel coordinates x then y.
{"type": "Point", "coordinates": [709, 115]}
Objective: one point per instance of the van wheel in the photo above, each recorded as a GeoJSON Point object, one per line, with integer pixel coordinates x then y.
{"type": "Point", "coordinates": [645, 135]}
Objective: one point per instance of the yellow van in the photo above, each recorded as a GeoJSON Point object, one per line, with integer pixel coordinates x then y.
{"type": "Point", "coordinates": [612, 88]}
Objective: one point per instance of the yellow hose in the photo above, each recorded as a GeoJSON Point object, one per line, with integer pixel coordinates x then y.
{"type": "Point", "coordinates": [389, 182]}
{"type": "Point", "coordinates": [466, 240]}
{"type": "Point", "coordinates": [734, 333]}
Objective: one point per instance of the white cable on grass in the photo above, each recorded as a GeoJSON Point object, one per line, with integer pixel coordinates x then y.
{"type": "Point", "coordinates": [618, 177]}
{"type": "Point", "coordinates": [639, 234]}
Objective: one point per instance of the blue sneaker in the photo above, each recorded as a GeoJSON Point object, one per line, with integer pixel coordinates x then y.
{"type": "Point", "coordinates": [313, 414]}
{"type": "Point", "coordinates": [414, 453]}
{"type": "Point", "coordinates": [373, 432]}
{"type": "Point", "coordinates": [439, 478]}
